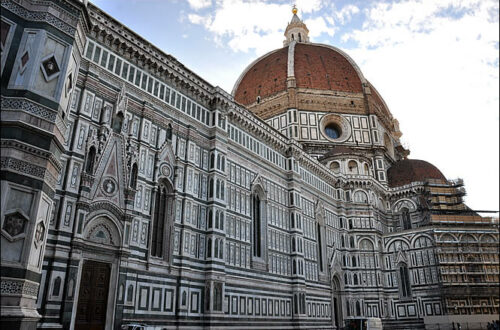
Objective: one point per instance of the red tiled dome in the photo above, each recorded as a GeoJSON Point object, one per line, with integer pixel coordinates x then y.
{"type": "Point", "coordinates": [412, 170]}
{"type": "Point", "coordinates": [315, 66]}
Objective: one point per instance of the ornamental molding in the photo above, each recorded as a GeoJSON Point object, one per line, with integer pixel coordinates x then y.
{"type": "Point", "coordinates": [45, 17]}
{"type": "Point", "coordinates": [28, 106]}
{"type": "Point", "coordinates": [127, 43]}
{"type": "Point", "coordinates": [17, 165]}
{"type": "Point", "coordinates": [16, 287]}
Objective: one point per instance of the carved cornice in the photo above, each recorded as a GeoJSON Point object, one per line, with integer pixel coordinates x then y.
{"type": "Point", "coordinates": [140, 52]}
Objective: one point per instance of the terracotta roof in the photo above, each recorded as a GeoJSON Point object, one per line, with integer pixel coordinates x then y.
{"type": "Point", "coordinates": [315, 67]}
{"type": "Point", "coordinates": [412, 170]}
{"type": "Point", "coordinates": [320, 67]}
{"type": "Point", "coordinates": [265, 78]}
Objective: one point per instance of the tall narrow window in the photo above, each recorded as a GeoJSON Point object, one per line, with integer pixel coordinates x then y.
{"type": "Point", "coordinates": [89, 166]}
{"type": "Point", "coordinates": [404, 281]}
{"type": "Point", "coordinates": [320, 249]}
{"type": "Point", "coordinates": [118, 122]}
{"type": "Point", "coordinates": [133, 177]}
{"type": "Point", "coordinates": [256, 226]}
{"type": "Point", "coordinates": [405, 215]}
{"type": "Point", "coordinates": [160, 218]}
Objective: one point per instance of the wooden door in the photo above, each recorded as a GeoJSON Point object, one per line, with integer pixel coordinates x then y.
{"type": "Point", "coordinates": [93, 296]}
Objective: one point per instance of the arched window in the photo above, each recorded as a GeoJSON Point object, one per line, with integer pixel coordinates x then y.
{"type": "Point", "coordinates": [358, 308]}
{"type": "Point", "coordinates": [162, 212]}
{"type": "Point", "coordinates": [223, 168]}
{"type": "Point", "coordinates": [355, 279]}
{"type": "Point", "coordinates": [348, 308]}
{"type": "Point", "coordinates": [354, 261]}
{"type": "Point", "coordinates": [89, 166]}
{"type": "Point", "coordinates": [300, 37]}
{"type": "Point", "coordinates": [221, 249]}
{"type": "Point", "coordinates": [118, 122]}
{"type": "Point", "coordinates": [209, 248]}
{"type": "Point", "coordinates": [221, 223]}
{"type": "Point", "coordinates": [366, 169]}
{"type": "Point", "coordinates": [404, 281]}
{"type": "Point", "coordinates": [256, 226]}
{"type": "Point", "coordinates": [405, 218]}
{"type": "Point", "coordinates": [335, 167]}
{"type": "Point", "coordinates": [133, 177]}
{"type": "Point", "coordinates": [212, 160]}
{"type": "Point", "coordinates": [352, 166]}
{"type": "Point", "coordinates": [360, 197]}
{"type": "Point", "coordinates": [217, 189]}
{"type": "Point", "coordinates": [184, 298]}
{"type": "Point", "coordinates": [211, 188]}
{"type": "Point", "coordinates": [218, 296]}
{"type": "Point", "coordinates": [169, 132]}
{"type": "Point", "coordinates": [210, 219]}
{"type": "Point", "coordinates": [57, 286]}
{"type": "Point", "coordinates": [346, 281]}
{"type": "Point", "coordinates": [218, 162]}
{"type": "Point", "coordinates": [293, 37]}
{"type": "Point", "coordinates": [222, 193]}
{"type": "Point", "coordinates": [130, 293]}
{"type": "Point", "coordinates": [216, 248]}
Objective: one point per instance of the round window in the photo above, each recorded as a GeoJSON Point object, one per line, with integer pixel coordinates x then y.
{"type": "Point", "coordinates": [332, 131]}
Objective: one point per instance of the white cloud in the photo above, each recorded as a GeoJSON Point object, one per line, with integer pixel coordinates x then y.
{"type": "Point", "coordinates": [255, 24]}
{"type": "Point", "coordinates": [199, 4]}
{"type": "Point", "coordinates": [197, 19]}
{"type": "Point", "coordinates": [436, 65]}
{"type": "Point", "coordinates": [317, 26]}
{"type": "Point", "coordinates": [345, 14]}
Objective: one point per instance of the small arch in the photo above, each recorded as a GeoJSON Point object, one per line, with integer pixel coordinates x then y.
{"type": "Point", "coordinates": [335, 167]}
{"type": "Point", "coordinates": [366, 169]}
{"type": "Point", "coordinates": [352, 166]}
{"type": "Point", "coordinates": [360, 197]}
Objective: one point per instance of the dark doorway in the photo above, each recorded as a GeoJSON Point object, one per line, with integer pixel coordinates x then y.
{"type": "Point", "coordinates": [93, 296]}
{"type": "Point", "coordinates": [337, 303]}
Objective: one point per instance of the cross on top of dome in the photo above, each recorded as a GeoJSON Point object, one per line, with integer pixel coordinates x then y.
{"type": "Point", "coordinates": [296, 30]}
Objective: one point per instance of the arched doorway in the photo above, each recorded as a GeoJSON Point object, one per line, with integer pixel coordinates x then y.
{"type": "Point", "coordinates": [95, 296]}
{"type": "Point", "coordinates": [338, 319]}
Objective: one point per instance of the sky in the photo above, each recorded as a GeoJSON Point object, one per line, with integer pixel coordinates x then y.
{"type": "Point", "coordinates": [435, 63]}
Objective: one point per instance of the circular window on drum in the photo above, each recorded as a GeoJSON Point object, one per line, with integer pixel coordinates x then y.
{"type": "Point", "coordinates": [335, 128]}
{"type": "Point", "coordinates": [333, 131]}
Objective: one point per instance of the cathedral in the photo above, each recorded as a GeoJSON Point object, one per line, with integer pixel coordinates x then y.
{"type": "Point", "coordinates": [135, 192]}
